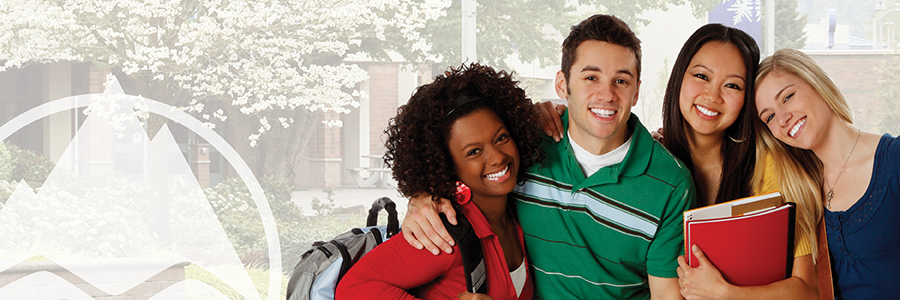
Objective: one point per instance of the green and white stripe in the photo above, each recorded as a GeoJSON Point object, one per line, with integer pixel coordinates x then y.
{"type": "Point", "coordinates": [606, 211]}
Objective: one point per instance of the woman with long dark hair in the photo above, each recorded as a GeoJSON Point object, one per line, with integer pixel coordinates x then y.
{"type": "Point", "coordinates": [710, 126]}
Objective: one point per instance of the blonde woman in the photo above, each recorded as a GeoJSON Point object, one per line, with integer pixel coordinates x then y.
{"type": "Point", "coordinates": [855, 175]}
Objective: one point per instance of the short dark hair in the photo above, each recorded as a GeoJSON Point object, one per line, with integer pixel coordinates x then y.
{"type": "Point", "coordinates": [603, 28]}
{"type": "Point", "coordinates": [738, 157]}
{"type": "Point", "coordinates": [417, 137]}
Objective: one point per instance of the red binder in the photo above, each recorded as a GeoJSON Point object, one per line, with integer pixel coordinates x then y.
{"type": "Point", "coordinates": [750, 240]}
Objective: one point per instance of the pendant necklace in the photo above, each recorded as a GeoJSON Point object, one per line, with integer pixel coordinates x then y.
{"type": "Point", "coordinates": [831, 190]}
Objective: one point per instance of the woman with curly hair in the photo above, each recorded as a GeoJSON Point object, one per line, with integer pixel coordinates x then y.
{"type": "Point", "coordinates": [471, 125]}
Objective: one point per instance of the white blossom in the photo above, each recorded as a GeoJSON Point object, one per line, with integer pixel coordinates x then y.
{"type": "Point", "coordinates": [254, 138]}
{"type": "Point", "coordinates": [264, 125]}
{"type": "Point", "coordinates": [219, 114]}
{"type": "Point", "coordinates": [285, 122]}
{"type": "Point", "coordinates": [333, 123]}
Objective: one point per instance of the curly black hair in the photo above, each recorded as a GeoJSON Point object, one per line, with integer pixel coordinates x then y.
{"type": "Point", "coordinates": [417, 137]}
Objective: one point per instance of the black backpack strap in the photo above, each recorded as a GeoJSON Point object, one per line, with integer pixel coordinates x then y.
{"type": "Point", "coordinates": [470, 249]}
{"type": "Point", "coordinates": [393, 225]}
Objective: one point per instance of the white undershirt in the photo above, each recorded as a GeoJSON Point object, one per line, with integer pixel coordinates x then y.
{"type": "Point", "coordinates": [518, 277]}
{"type": "Point", "coordinates": [590, 163]}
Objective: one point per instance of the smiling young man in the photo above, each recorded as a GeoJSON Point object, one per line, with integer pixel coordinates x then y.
{"type": "Point", "coordinates": [602, 214]}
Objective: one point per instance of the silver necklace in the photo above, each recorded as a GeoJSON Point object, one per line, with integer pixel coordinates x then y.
{"type": "Point", "coordinates": [831, 190]}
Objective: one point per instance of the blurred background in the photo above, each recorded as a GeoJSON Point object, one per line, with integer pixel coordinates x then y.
{"type": "Point", "coordinates": [302, 90]}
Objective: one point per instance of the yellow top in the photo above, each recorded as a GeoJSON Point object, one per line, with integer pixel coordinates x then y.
{"type": "Point", "coordinates": [770, 184]}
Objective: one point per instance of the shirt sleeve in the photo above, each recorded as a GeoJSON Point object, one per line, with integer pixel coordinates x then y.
{"type": "Point", "coordinates": [390, 269]}
{"type": "Point", "coordinates": [668, 243]}
{"type": "Point", "coordinates": [769, 182]}
{"type": "Point", "coordinates": [802, 246]}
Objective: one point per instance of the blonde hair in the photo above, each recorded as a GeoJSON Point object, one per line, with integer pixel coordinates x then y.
{"type": "Point", "coordinates": [800, 172]}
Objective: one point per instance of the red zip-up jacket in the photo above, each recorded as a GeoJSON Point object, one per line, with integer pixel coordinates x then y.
{"type": "Point", "coordinates": [392, 268]}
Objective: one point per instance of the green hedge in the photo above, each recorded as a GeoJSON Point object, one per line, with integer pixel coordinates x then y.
{"type": "Point", "coordinates": [237, 212]}
{"type": "Point", "coordinates": [17, 164]}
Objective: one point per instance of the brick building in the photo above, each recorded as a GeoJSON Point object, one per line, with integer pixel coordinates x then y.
{"type": "Point", "coordinates": [855, 72]}
{"type": "Point", "coordinates": [335, 154]}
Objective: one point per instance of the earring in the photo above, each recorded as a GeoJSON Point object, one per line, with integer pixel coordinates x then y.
{"type": "Point", "coordinates": [734, 140]}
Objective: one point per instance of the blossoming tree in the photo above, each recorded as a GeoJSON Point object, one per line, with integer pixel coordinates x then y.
{"type": "Point", "coordinates": [272, 67]}
{"type": "Point", "coordinates": [267, 67]}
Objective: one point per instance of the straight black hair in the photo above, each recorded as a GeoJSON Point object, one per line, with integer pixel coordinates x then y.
{"type": "Point", "coordinates": [739, 143]}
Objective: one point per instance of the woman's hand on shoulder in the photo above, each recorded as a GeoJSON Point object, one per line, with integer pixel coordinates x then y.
{"type": "Point", "coordinates": [657, 135]}
{"type": "Point", "coordinates": [551, 118]}
{"type": "Point", "coordinates": [423, 226]}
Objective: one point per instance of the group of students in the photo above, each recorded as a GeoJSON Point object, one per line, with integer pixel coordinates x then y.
{"type": "Point", "coordinates": [598, 202]}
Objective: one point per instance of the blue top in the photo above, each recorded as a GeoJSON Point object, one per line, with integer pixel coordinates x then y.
{"type": "Point", "coordinates": [865, 239]}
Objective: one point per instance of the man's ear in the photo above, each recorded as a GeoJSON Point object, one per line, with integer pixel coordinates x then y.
{"type": "Point", "coordinates": [636, 93]}
{"type": "Point", "coordinates": [561, 85]}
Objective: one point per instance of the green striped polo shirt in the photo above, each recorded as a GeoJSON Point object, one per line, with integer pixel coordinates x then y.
{"type": "Point", "coordinates": [599, 237]}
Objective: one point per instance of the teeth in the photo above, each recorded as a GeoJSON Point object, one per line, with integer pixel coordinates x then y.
{"type": "Point", "coordinates": [498, 174]}
{"type": "Point", "coordinates": [605, 113]}
{"type": "Point", "coordinates": [797, 127]}
{"type": "Point", "coordinates": [706, 111]}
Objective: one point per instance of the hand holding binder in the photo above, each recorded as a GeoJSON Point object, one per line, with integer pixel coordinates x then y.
{"type": "Point", "coordinates": [695, 281]}
{"type": "Point", "coordinates": [749, 241]}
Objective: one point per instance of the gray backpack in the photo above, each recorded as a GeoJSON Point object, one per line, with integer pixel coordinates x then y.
{"type": "Point", "coordinates": [320, 269]}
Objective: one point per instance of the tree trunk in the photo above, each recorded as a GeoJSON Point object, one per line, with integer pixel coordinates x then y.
{"type": "Point", "coordinates": [284, 147]}
{"type": "Point", "coordinates": [143, 85]}
{"type": "Point", "coordinates": [278, 150]}
{"type": "Point", "coordinates": [238, 127]}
